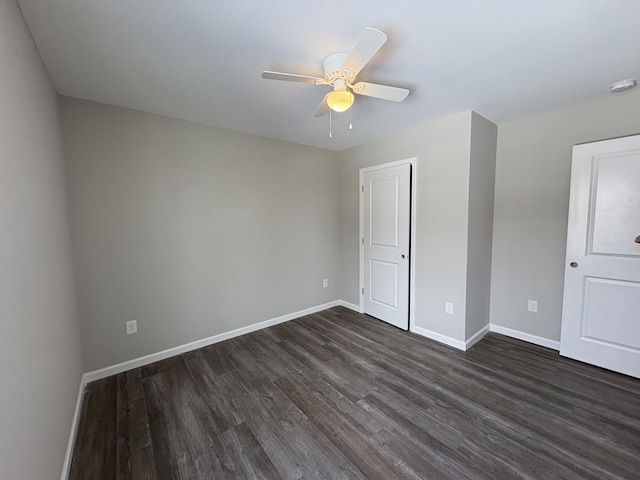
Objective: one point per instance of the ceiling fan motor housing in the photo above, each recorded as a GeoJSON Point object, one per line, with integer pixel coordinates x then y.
{"type": "Point", "coordinates": [332, 67]}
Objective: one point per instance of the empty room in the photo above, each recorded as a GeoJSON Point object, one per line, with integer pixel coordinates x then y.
{"type": "Point", "coordinates": [291, 239]}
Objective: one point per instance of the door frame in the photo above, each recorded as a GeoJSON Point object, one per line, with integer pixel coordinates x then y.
{"type": "Point", "coordinates": [413, 161]}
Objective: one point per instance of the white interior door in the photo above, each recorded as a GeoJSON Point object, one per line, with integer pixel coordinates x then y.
{"type": "Point", "coordinates": [387, 214]}
{"type": "Point", "coordinates": [601, 310]}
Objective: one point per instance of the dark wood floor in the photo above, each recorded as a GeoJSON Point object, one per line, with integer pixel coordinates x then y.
{"type": "Point", "coordinates": [341, 395]}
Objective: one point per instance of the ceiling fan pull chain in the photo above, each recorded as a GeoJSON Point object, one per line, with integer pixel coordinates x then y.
{"type": "Point", "coordinates": [350, 125]}
{"type": "Point", "coordinates": [330, 136]}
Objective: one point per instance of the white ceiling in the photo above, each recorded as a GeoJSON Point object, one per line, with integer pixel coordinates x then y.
{"type": "Point", "coordinates": [201, 60]}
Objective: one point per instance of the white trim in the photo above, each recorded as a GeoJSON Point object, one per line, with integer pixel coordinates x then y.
{"type": "Point", "coordinates": [438, 337]}
{"type": "Point", "coordinates": [187, 347]}
{"type": "Point", "coordinates": [492, 327]}
{"type": "Point", "coordinates": [412, 232]}
{"type": "Point", "coordinates": [527, 337]}
{"type": "Point", "coordinates": [351, 306]}
{"type": "Point", "coordinates": [360, 237]}
{"type": "Point", "coordinates": [476, 337]}
{"type": "Point", "coordinates": [73, 433]}
{"type": "Point", "coordinates": [412, 246]}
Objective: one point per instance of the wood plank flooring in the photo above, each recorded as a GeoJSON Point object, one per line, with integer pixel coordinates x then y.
{"type": "Point", "coordinates": [341, 395]}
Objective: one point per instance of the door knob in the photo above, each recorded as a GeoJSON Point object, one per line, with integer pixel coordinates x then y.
{"type": "Point", "coordinates": [402, 255]}
{"type": "Point", "coordinates": [573, 264]}
{"type": "Point", "coordinates": [637, 240]}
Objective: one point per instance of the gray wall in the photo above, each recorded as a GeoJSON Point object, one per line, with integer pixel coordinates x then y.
{"type": "Point", "coordinates": [39, 343]}
{"type": "Point", "coordinates": [482, 168]}
{"type": "Point", "coordinates": [531, 206]}
{"type": "Point", "coordinates": [442, 148]}
{"type": "Point", "coordinates": [191, 230]}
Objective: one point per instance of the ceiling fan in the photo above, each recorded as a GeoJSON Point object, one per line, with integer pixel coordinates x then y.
{"type": "Point", "coordinates": [340, 71]}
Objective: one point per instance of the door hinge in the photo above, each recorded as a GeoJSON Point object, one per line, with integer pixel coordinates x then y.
{"type": "Point", "coordinates": [362, 188]}
{"type": "Point", "coordinates": [363, 240]}
{"type": "Point", "coordinates": [363, 291]}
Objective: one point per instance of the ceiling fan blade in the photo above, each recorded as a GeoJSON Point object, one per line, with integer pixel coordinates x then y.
{"type": "Point", "coordinates": [290, 77]}
{"type": "Point", "coordinates": [385, 92]}
{"type": "Point", "coordinates": [323, 108]}
{"type": "Point", "coordinates": [368, 45]}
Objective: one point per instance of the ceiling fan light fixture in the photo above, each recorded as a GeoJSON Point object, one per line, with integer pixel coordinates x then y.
{"type": "Point", "coordinates": [340, 100]}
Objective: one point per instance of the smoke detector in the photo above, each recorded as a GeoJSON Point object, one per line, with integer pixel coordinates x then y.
{"type": "Point", "coordinates": [622, 85]}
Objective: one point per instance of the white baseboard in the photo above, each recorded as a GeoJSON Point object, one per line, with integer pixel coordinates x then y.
{"type": "Point", "coordinates": [351, 306]}
{"type": "Point", "coordinates": [170, 352]}
{"type": "Point", "coordinates": [527, 337]}
{"type": "Point", "coordinates": [452, 342]}
{"type": "Point", "coordinates": [438, 337]}
{"type": "Point", "coordinates": [75, 422]}
{"type": "Point", "coordinates": [464, 346]}
{"type": "Point", "coordinates": [476, 337]}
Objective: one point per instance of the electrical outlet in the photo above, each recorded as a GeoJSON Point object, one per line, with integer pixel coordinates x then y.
{"type": "Point", "coordinates": [132, 327]}
{"type": "Point", "coordinates": [325, 283]}
{"type": "Point", "coordinates": [448, 308]}
{"type": "Point", "coordinates": [532, 306]}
